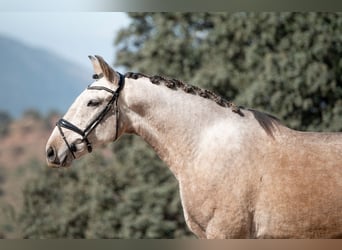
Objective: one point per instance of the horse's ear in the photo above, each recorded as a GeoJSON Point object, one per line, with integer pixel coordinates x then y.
{"type": "Point", "coordinates": [101, 67]}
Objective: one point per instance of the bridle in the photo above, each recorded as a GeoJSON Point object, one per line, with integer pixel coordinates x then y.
{"type": "Point", "coordinates": [62, 123]}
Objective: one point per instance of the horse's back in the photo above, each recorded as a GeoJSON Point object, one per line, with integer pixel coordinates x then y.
{"type": "Point", "coordinates": [299, 191]}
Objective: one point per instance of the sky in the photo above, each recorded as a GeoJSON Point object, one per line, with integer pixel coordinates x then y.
{"type": "Point", "coordinates": [51, 5]}
{"type": "Point", "coordinates": [72, 35]}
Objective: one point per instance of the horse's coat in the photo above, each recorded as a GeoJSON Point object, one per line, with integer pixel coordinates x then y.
{"type": "Point", "coordinates": [241, 173]}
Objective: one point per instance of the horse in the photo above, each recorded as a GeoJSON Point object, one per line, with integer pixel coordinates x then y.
{"type": "Point", "coordinates": [241, 173]}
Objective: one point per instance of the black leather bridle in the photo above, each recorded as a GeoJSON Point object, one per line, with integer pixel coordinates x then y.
{"type": "Point", "coordinates": [62, 123]}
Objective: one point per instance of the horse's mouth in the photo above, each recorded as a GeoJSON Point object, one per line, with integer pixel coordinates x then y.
{"type": "Point", "coordinates": [62, 164]}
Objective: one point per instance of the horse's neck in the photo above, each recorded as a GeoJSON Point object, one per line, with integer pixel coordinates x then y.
{"type": "Point", "coordinates": [171, 121]}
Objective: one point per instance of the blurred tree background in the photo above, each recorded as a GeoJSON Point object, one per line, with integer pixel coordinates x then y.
{"type": "Point", "coordinates": [288, 64]}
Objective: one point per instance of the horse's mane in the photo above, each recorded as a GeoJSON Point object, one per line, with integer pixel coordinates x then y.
{"type": "Point", "coordinates": [177, 84]}
{"type": "Point", "coordinates": [266, 121]}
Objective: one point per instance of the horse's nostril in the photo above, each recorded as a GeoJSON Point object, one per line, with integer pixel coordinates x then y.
{"type": "Point", "coordinates": [50, 153]}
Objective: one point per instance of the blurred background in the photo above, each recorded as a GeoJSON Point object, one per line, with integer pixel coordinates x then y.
{"type": "Point", "coordinates": [286, 64]}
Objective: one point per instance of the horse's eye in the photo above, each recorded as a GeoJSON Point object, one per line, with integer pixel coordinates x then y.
{"type": "Point", "coordinates": [93, 103]}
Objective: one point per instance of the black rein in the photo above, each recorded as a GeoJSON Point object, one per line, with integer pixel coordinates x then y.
{"type": "Point", "coordinates": [62, 123]}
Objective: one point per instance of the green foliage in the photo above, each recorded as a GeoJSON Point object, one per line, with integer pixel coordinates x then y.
{"type": "Point", "coordinates": [7, 220]}
{"type": "Point", "coordinates": [2, 179]}
{"type": "Point", "coordinates": [288, 64]}
{"type": "Point", "coordinates": [300, 77]}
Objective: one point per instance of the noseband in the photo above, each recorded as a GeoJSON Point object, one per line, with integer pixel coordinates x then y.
{"type": "Point", "coordinates": [62, 123]}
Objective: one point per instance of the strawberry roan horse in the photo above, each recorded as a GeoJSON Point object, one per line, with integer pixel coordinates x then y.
{"type": "Point", "coordinates": [241, 173]}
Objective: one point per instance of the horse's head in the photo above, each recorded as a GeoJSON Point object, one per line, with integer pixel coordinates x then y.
{"type": "Point", "coordinates": [92, 120]}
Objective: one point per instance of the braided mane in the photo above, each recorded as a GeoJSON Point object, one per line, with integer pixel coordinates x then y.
{"type": "Point", "coordinates": [177, 84]}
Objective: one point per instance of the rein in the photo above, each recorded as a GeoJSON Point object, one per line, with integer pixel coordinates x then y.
{"type": "Point", "coordinates": [62, 123]}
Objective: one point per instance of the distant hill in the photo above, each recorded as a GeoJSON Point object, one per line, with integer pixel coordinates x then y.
{"type": "Point", "coordinates": [33, 78]}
